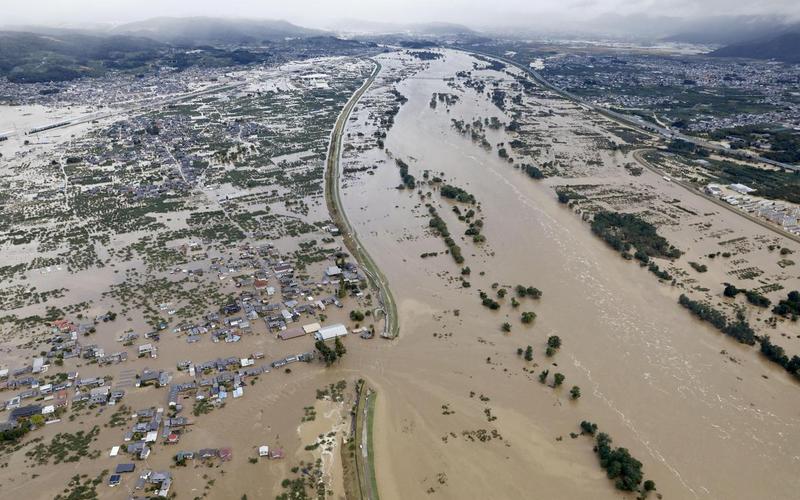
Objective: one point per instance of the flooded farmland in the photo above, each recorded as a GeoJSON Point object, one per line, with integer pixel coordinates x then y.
{"type": "Point", "coordinates": [148, 270]}
{"type": "Point", "coordinates": [460, 413]}
{"type": "Point", "coordinates": [177, 295]}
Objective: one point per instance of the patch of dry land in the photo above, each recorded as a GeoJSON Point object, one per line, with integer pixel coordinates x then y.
{"type": "Point", "coordinates": [483, 181]}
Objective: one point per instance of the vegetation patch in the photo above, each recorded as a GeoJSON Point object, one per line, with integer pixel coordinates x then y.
{"type": "Point", "coordinates": [624, 231]}
{"type": "Point", "coordinates": [620, 466]}
{"type": "Point", "coordinates": [457, 194]}
{"type": "Point", "coordinates": [65, 447]}
{"type": "Point", "coordinates": [789, 306]}
{"type": "Point", "coordinates": [440, 226]}
{"type": "Point", "coordinates": [739, 330]}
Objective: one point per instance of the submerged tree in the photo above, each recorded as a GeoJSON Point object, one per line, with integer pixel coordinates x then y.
{"type": "Point", "coordinates": [328, 354]}
{"type": "Point", "coordinates": [529, 353]}
{"type": "Point", "coordinates": [543, 376]}
{"type": "Point", "coordinates": [339, 348]}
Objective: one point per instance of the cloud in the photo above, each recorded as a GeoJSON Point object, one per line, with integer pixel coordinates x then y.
{"type": "Point", "coordinates": [316, 12]}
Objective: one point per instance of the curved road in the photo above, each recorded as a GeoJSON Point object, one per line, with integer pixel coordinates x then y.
{"type": "Point", "coordinates": [336, 209]}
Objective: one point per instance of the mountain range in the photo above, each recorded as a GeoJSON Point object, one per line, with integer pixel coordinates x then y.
{"type": "Point", "coordinates": [783, 47]}
{"type": "Point", "coordinates": [361, 27]}
{"type": "Point", "coordinates": [33, 54]}
{"type": "Point", "coordinates": [37, 54]}
{"type": "Point", "coordinates": [211, 31]}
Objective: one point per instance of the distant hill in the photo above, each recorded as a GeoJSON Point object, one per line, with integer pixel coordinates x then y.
{"type": "Point", "coordinates": [214, 31]}
{"type": "Point", "coordinates": [63, 55]}
{"type": "Point", "coordinates": [417, 29]}
{"type": "Point", "coordinates": [782, 47]}
{"type": "Point", "coordinates": [715, 29]}
{"type": "Point", "coordinates": [727, 30]}
{"type": "Point", "coordinates": [31, 57]}
{"type": "Point", "coordinates": [442, 29]}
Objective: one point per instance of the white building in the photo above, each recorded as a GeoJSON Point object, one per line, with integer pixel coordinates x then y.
{"type": "Point", "coordinates": [146, 349]}
{"type": "Point", "coordinates": [39, 365]}
{"type": "Point", "coordinates": [331, 331]}
{"type": "Point", "coordinates": [741, 188]}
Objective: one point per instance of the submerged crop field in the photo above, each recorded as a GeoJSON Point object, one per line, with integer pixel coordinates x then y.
{"type": "Point", "coordinates": [154, 259]}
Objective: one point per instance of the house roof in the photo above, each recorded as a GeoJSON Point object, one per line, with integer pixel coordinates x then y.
{"type": "Point", "coordinates": [123, 468]}
{"type": "Point", "coordinates": [311, 328]}
{"type": "Point", "coordinates": [291, 333]}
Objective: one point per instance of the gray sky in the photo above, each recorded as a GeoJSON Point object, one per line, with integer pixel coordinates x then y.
{"type": "Point", "coordinates": [322, 13]}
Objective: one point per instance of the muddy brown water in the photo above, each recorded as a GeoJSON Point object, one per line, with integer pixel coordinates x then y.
{"type": "Point", "coordinates": [651, 376]}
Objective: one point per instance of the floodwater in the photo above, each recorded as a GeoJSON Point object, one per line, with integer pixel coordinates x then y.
{"type": "Point", "coordinates": [651, 376]}
{"type": "Point", "coordinates": [271, 409]}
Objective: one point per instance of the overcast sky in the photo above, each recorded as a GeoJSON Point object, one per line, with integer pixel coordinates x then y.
{"type": "Point", "coordinates": [322, 13]}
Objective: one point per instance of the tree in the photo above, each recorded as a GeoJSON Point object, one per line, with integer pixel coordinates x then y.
{"type": "Point", "coordinates": [533, 292]}
{"type": "Point", "coordinates": [37, 420]}
{"type": "Point", "coordinates": [491, 304]}
{"type": "Point", "coordinates": [575, 392]}
{"type": "Point", "coordinates": [588, 427]}
{"type": "Point", "coordinates": [328, 354]}
{"type": "Point", "coordinates": [528, 317]}
{"type": "Point", "coordinates": [543, 376]}
{"type": "Point", "coordinates": [506, 327]}
{"type": "Point", "coordinates": [529, 353]}
{"type": "Point", "coordinates": [339, 348]}
{"type": "Point", "coordinates": [501, 293]}
{"type": "Point", "coordinates": [619, 464]}
{"type": "Point", "coordinates": [558, 379]}
{"type": "Point", "coordinates": [554, 341]}
{"type": "Point", "coordinates": [649, 485]}
{"type": "Point", "coordinates": [730, 290]}
{"type": "Point", "coordinates": [356, 315]}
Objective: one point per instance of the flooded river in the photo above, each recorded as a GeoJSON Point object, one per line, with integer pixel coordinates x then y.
{"type": "Point", "coordinates": [652, 377]}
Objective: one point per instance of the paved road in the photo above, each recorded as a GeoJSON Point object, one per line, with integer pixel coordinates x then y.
{"type": "Point", "coordinates": [636, 122]}
{"type": "Point", "coordinates": [339, 216]}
